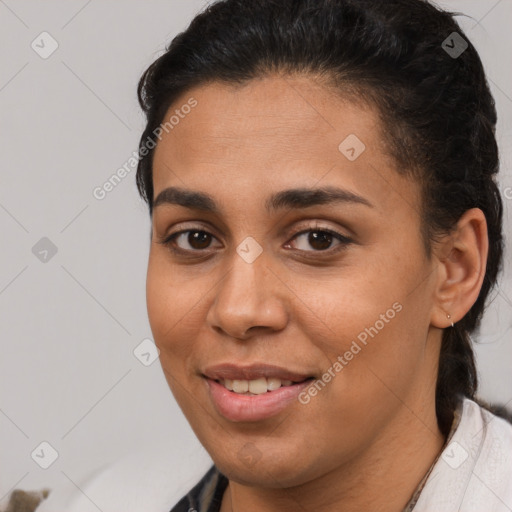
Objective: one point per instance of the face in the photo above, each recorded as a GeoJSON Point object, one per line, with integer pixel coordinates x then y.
{"type": "Point", "coordinates": [267, 281]}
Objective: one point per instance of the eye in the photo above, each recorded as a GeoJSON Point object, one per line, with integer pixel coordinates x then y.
{"type": "Point", "coordinates": [195, 239]}
{"type": "Point", "coordinates": [320, 239]}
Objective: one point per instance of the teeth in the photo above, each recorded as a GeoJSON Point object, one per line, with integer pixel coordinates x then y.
{"type": "Point", "coordinates": [240, 386]}
{"type": "Point", "coordinates": [273, 384]}
{"type": "Point", "coordinates": [256, 386]}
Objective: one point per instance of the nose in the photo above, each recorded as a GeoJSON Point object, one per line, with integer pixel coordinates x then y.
{"type": "Point", "coordinates": [250, 300]}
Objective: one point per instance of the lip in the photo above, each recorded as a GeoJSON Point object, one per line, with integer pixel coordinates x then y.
{"type": "Point", "coordinates": [252, 372]}
{"type": "Point", "coordinates": [245, 408]}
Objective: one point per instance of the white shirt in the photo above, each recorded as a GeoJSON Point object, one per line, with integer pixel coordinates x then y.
{"type": "Point", "coordinates": [474, 472]}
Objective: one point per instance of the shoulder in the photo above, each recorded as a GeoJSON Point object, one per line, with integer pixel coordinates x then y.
{"type": "Point", "coordinates": [474, 470]}
{"type": "Point", "coordinates": [496, 409]}
{"type": "Point", "coordinates": [493, 468]}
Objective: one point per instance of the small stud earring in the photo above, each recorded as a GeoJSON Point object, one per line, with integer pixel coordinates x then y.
{"type": "Point", "coordinates": [449, 316]}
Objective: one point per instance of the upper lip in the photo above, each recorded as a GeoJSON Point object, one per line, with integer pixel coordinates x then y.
{"type": "Point", "coordinates": [252, 372]}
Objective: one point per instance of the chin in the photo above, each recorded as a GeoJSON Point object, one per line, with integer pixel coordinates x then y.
{"type": "Point", "coordinates": [260, 476]}
{"type": "Point", "coordinates": [254, 469]}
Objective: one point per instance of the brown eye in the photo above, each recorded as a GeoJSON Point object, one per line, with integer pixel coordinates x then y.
{"type": "Point", "coordinates": [319, 239]}
{"type": "Point", "coordinates": [199, 239]}
{"type": "Point", "coordinates": [189, 240]}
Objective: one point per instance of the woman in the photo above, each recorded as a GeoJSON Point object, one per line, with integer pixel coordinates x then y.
{"type": "Point", "coordinates": [326, 228]}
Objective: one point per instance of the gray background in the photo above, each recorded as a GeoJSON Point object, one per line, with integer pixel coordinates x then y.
{"type": "Point", "coordinates": [69, 325]}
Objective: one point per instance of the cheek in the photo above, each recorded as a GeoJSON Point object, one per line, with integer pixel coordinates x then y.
{"type": "Point", "coordinates": [174, 312]}
{"type": "Point", "coordinates": [157, 298]}
{"type": "Point", "coordinates": [165, 301]}
{"type": "Point", "coordinates": [366, 317]}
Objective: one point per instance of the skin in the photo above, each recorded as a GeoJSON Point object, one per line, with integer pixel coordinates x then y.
{"type": "Point", "coordinates": [371, 433]}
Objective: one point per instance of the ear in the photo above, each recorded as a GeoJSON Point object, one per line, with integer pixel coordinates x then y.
{"type": "Point", "coordinates": [461, 259]}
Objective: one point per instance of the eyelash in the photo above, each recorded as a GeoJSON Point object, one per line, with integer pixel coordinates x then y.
{"type": "Point", "coordinates": [344, 241]}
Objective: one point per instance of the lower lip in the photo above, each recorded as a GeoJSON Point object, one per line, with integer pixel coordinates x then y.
{"type": "Point", "coordinates": [236, 407]}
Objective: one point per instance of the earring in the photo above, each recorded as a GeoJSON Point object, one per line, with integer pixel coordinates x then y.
{"type": "Point", "coordinates": [449, 316]}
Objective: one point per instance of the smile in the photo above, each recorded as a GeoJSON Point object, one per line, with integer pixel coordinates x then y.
{"type": "Point", "coordinates": [253, 393]}
{"type": "Point", "coordinates": [254, 387]}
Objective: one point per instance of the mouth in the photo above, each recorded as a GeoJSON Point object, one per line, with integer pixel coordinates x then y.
{"type": "Point", "coordinates": [229, 371]}
{"type": "Point", "coordinates": [257, 386]}
{"type": "Point", "coordinates": [253, 393]}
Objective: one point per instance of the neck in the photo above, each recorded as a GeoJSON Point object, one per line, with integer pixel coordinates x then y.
{"type": "Point", "coordinates": [384, 477]}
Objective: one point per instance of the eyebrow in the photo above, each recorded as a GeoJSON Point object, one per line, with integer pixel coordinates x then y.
{"type": "Point", "coordinates": [293, 198]}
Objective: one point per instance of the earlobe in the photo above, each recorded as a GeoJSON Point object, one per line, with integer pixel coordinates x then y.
{"type": "Point", "coordinates": [462, 269]}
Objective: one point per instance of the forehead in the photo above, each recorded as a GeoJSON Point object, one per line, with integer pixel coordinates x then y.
{"type": "Point", "coordinates": [273, 115]}
{"type": "Point", "coordinates": [272, 133]}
